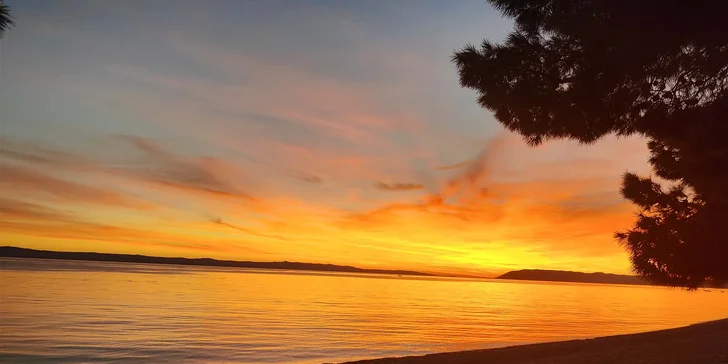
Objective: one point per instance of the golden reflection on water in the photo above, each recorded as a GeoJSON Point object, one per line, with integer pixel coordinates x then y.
{"type": "Point", "coordinates": [91, 311]}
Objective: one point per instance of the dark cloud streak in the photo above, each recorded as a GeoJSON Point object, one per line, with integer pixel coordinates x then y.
{"type": "Point", "coordinates": [398, 186]}
{"type": "Point", "coordinates": [164, 168]}
{"type": "Point", "coordinates": [220, 221]}
{"type": "Point", "coordinates": [306, 177]}
{"type": "Point", "coordinates": [28, 153]}
{"type": "Point", "coordinates": [454, 166]}
{"type": "Point", "coordinates": [26, 181]}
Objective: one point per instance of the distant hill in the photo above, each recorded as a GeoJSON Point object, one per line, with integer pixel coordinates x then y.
{"type": "Point", "coordinates": [14, 252]}
{"type": "Point", "coordinates": [567, 276]}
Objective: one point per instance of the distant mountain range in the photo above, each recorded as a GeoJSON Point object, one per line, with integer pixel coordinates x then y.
{"type": "Point", "coordinates": [525, 275]}
{"type": "Point", "coordinates": [567, 276]}
{"type": "Point", "coordinates": [14, 252]}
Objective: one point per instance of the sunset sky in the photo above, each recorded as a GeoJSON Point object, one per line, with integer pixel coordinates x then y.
{"type": "Point", "coordinates": [329, 131]}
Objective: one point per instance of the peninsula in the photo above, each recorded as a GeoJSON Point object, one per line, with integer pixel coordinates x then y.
{"type": "Point", "coordinates": [15, 252]}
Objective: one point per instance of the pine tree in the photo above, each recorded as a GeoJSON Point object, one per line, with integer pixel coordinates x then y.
{"type": "Point", "coordinates": [585, 69]}
{"type": "Point", "coordinates": [6, 20]}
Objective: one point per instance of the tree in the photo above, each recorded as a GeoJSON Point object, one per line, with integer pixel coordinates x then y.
{"type": "Point", "coordinates": [6, 20]}
{"type": "Point", "coordinates": [657, 68]}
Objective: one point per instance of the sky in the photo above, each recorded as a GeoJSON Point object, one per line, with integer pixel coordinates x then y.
{"type": "Point", "coordinates": [317, 131]}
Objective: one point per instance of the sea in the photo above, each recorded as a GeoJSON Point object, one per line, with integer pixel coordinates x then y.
{"type": "Point", "coordinates": [54, 311]}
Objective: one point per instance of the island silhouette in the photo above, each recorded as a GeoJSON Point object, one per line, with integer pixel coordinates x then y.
{"type": "Point", "coordinates": [569, 276]}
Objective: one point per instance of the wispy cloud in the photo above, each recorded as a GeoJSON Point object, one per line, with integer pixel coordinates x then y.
{"type": "Point", "coordinates": [89, 231]}
{"type": "Point", "coordinates": [44, 156]}
{"type": "Point", "coordinates": [13, 210]}
{"type": "Point", "coordinates": [29, 219]}
{"type": "Point", "coordinates": [471, 205]}
{"type": "Point", "coordinates": [306, 177]}
{"type": "Point", "coordinates": [162, 167]}
{"type": "Point", "coordinates": [220, 221]}
{"type": "Point", "coordinates": [474, 177]}
{"type": "Point", "coordinates": [398, 186]}
{"type": "Point", "coordinates": [314, 143]}
{"type": "Point", "coordinates": [26, 182]}
{"type": "Point", "coordinates": [453, 166]}
{"type": "Point", "coordinates": [150, 163]}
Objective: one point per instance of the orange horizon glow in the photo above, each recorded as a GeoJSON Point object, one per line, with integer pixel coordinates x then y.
{"type": "Point", "coordinates": [481, 218]}
{"type": "Point", "coordinates": [338, 144]}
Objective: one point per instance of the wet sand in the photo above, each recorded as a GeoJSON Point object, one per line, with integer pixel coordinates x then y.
{"type": "Point", "coordinates": [705, 343]}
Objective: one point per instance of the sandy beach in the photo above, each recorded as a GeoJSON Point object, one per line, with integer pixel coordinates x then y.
{"type": "Point", "coordinates": [704, 343]}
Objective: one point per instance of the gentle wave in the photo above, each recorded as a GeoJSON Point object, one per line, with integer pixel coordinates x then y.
{"type": "Point", "coordinates": [77, 312]}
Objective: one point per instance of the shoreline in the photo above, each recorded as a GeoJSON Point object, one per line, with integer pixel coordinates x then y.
{"type": "Point", "coordinates": [702, 343]}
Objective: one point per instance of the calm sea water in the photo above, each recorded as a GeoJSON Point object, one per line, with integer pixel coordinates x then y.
{"type": "Point", "coordinates": [67, 311]}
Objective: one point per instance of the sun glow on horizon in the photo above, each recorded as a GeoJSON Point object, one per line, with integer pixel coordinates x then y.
{"type": "Point", "coordinates": [346, 143]}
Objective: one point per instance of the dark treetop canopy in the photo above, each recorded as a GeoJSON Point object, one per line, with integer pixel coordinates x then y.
{"type": "Point", "coordinates": [585, 69]}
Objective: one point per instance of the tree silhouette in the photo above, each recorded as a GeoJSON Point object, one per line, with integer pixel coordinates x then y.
{"type": "Point", "coordinates": [6, 20]}
{"type": "Point", "coordinates": [656, 68]}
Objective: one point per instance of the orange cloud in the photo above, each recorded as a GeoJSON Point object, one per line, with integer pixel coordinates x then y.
{"type": "Point", "coordinates": [26, 219]}
{"type": "Point", "coordinates": [164, 168]}
{"type": "Point", "coordinates": [259, 154]}
{"type": "Point", "coordinates": [13, 210]}
{"type": "Point", "coordinates": [77, 230]}
{"type": "Point", "coordinates": [564, 223]}
{"type": "Point", "coordinates": [27, 182]}
{"type": "Point", "coordinates": [478, 219]}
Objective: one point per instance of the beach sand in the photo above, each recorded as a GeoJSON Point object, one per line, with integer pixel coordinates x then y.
{"type": "Point", "coordinates": [705, 343]}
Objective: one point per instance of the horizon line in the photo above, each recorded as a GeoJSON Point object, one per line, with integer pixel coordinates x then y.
{"type": "Point", "coordinates": [227, 263]}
